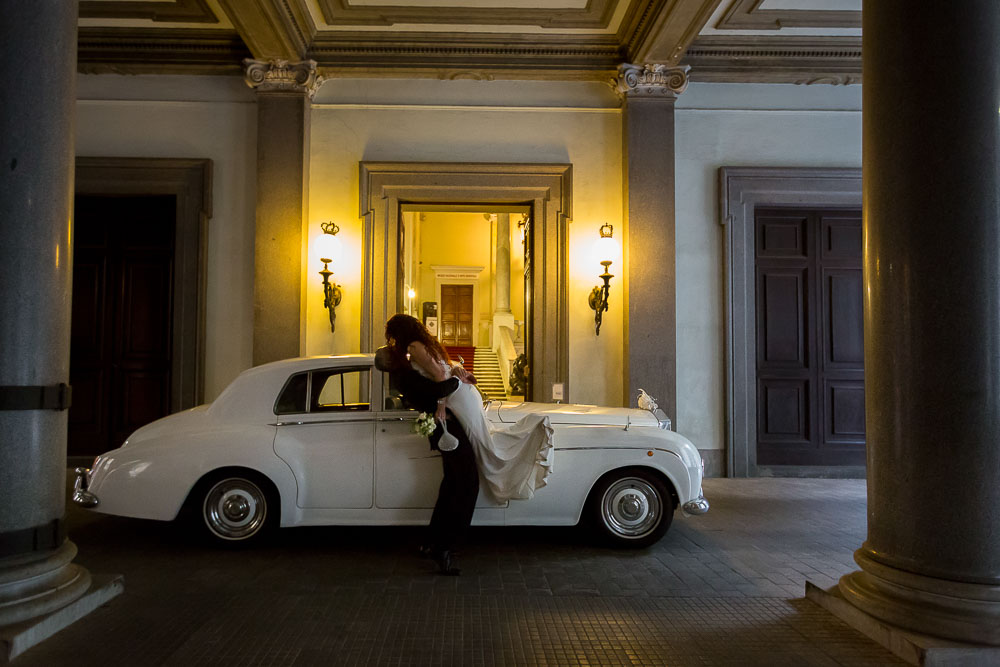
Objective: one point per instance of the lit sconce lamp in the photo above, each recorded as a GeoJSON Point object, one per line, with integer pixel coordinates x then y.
{"type": "Point", "coordinates": [411, 294]}
{"type": "Point", "coordinates": [599, 295]}
{"type": "Point", "coordinates": [329, 251]}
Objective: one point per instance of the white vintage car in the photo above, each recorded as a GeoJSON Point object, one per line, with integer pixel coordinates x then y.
{"type": "Point", "coordinates": [327, 441]}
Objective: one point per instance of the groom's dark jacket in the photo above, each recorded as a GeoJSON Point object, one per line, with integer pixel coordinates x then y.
{"type": "Point", "coordinates": [418, 392]}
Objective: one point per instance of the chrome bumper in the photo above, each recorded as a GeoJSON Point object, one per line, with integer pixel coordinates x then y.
{"type": "Point", "coordinates": [697, 506]}
{"type": "Point", "coordinates": [81, 496]}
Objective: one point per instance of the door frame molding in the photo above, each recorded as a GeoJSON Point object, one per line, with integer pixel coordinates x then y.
{"type": "Point", "coordinates": [190, 181]}
{"type": "Point", "coordinates": [547, 188]}
{"type": "Point", "coordinates": [741, 191]}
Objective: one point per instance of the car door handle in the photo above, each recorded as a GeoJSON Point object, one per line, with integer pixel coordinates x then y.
{"type": "Point", "coordinates": [397, 419]}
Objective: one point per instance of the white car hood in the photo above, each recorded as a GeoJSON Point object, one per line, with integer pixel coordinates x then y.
{"type": "Point", "coordinates": [568, 413]}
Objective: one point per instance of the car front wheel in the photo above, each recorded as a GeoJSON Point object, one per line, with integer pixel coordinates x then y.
{"type": "Point", "coordinates": [631, 508]}
{"type": "Point", "coordinates": [236, 510]}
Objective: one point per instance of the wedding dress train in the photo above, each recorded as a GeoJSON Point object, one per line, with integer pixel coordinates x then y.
{"type": "Point", "coordinates": [514, 459]}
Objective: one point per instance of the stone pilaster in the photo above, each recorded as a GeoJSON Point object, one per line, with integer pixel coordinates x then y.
{"type": "Point", "coordinates": [503, 263]}
{"type": "Point", "coordinates": [284, 91]}
{"type": "Point", "coordinates": [931, 563]}
{"type": "Point", "coordinates": [648, 93]}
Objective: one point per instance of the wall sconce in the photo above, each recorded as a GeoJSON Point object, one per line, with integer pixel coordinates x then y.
{"type": "Point", "coordinates": [329, 250]}
{"type": "Point", "coordinates": [599, 295]}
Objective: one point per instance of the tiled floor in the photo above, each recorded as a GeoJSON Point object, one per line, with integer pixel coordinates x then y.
{"type": "Point", "coordinates": [725, 588]}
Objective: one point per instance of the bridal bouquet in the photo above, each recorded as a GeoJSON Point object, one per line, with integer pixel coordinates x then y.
{"type": "Point", "coordinates": [425, 424]}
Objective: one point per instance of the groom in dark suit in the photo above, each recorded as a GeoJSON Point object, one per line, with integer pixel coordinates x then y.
{"type": "Point", "coordinates": [460, 484]}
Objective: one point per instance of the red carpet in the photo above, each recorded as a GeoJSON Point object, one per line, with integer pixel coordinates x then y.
{"type": "Point", "coordinates": [467, 352]}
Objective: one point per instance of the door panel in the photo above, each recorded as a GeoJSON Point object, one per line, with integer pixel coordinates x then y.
{"type": "Point", "coordinates": [810, 338]}
{"type": "Point", "coordinates": [456, 315]}
{"type": "Point", "coordinates": [409, 471]}
{"type": "Point", "coordinates": [783, 318]}
{"type": "Point", "coordinates": [331, 458]}
{"type": "Point", "coordinates": [121, 338]}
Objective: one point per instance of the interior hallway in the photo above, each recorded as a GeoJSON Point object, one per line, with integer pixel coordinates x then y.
{"type": "Point", "coordinates": [725, 588]}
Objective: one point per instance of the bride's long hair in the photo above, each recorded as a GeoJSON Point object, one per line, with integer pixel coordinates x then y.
{"type": "Point", "coordinates": [401, 330]}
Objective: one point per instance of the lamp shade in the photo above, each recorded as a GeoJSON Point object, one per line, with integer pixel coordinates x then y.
{"type": "Point", "coordinates": [606, 247]}
{"type": "Point", "coordinates": [328, 247]}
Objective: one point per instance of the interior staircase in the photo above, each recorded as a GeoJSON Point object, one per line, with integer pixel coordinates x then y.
{"type": "Point", "coordinates": [487, 371]}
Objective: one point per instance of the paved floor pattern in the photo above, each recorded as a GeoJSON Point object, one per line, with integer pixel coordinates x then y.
{"type": "Point", "coordinates": [725, 588]}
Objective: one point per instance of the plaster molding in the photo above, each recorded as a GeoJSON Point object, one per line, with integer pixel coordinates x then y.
{"type": "Point", "coordinates": [747, 15]}
{"type": "Point", "coordinates": [281, 76]}
{"type": "Point", "coordinates": [159, 51]}
{"type": "Point", "coordinates": [190, 181]}
{"type": "Point", "coordinates": [651, 80]}
{"type": "Point", "coordinates": [596, 14]}
{"type": "Point", "coordinates": [546, 188]}
{"type": "Point", "coordinates": [774, 59]}
{"type": "Point", "coordinates": [176, 11]}
{"type": "Point", "coordinates": [741, 191]}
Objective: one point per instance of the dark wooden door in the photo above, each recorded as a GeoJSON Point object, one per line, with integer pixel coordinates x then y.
{"type": "Point", "coordinates": [120, 355]}
{"type": "Point", "coordinates": [810, 338]}
{"type": "Point", "coordinates": [456, 315]}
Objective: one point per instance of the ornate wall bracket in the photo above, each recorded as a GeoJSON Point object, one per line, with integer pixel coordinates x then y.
{"type": "Point", "coordinates": [651, 80]}
{"type": "Point", "coordinates": [268, 76]}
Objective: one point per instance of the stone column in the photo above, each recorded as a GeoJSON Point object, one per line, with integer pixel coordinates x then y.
{"type": "Point", "coordinates": [284, 91]}
{"type": "Point", "coordinates": [37, 575]}
{"type": "Point", "coordinates": [931, 563]}
{"type": "Point", "coordinates": [502, 315]}
{"type": "Point", "coordinates": [648, 241]}
{"type": "Point", "coordinates": [503, 263]}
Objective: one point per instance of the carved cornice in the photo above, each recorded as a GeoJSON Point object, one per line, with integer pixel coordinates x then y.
{"type": "Point", "coordinates": [370, 53]}
{"type": "Point", "coordinates": [596, 14]}
{"type": "Point", "coordinates": [272, 28]}
{"type": "Point", "coordinates": [177, 11]}
{"type": "Point", "coordinates": [651, 80]}
{"type": "Point", "coordinates": [747, 15]}
{"type": "Point", "coordinates": [281, 76]}
{"type": "Point", "coordinates": [765, 59]}
{"type": "Point", "coordinates": [666, 29]}
{"type": "Point", "coordinates": [159, 51]}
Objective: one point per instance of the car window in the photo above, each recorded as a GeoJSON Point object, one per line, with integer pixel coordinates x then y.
{"type": "Point", "coordinates": [293, 397]}
{"type": "Point", "coordinates": [340, 390]}
{"type": "Point", "coordinates": [393, 397]}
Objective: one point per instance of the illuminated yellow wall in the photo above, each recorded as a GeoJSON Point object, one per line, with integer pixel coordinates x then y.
{"type": "Point", "coordinates": [483, 121]}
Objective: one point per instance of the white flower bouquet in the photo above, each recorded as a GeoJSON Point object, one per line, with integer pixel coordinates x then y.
{"type": "Point", "coordinates": [425, 424]}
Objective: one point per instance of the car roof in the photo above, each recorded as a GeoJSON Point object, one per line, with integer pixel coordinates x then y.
{"type": "Point", "coordinates": [253, 392]}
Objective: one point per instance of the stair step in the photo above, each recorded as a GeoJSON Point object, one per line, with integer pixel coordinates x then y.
{"type": "Point", "coordinates": [488, 373]}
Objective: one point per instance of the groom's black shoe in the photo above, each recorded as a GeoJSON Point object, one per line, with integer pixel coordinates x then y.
{"type": "Point", "coordinates": [446, 563]}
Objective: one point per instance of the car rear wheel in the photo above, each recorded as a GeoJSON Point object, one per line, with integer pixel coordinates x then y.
{"type": "Point", "coordinates": [631, 508]}
{"type": "Point", "coordinates": [236, 509]}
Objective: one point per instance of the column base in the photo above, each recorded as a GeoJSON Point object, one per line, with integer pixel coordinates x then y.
{"type": "Point", "coordinates": [912, 647]}
{"type": "Point", "coordinates": [953, 610]}
{"type": "Point", "coordinates": [18, 638]}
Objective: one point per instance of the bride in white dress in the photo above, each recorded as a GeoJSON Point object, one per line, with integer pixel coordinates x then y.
{"type": "Point", "coordinates": [514, 459]}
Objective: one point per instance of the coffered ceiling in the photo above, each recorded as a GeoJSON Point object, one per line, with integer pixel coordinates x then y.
{"type": "Point", "coordinates": [803, 41]}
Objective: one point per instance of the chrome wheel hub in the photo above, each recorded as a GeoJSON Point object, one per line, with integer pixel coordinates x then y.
{"type": "Point", "coordinates": [631, 507]}
{"type": "Point", "coordinates": [235, 509]}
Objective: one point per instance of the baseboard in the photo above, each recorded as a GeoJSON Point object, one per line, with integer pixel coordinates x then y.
{"type": "Point", "coordinates": [714, 462]}
{"type": "Point", "coordinates": [823, 472]}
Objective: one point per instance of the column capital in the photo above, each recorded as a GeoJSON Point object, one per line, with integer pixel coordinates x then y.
{"type": "Point", "coordinates": [651, 80]}
{"type": "Point", "coordinates": [268, 76]}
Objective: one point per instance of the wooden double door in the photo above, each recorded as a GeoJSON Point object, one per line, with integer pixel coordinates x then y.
{"type": "Point", "coordinates": [810, 338]}
{"type": "Point", "coordinates": [456, 325]}
{"type": "Point", "coordinates": [120, 351]}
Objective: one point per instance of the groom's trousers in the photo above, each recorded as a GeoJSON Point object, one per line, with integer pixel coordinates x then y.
{"type": "Point", "coordinates": [459, 489]}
